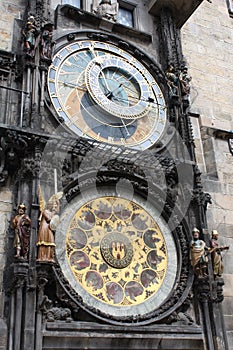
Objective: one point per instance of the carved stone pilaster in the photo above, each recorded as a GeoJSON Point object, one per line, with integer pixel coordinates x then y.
{"type": "Point", "coordinates": [169, 40]}
{"type": "Point", "coordinates": [203, 288]}
{"type": "Point", "coordinates": [209, 290]}
{"type": "Point", "coordinates": [218, 288]}
{"type": "Point", "coordinates": [201, 198]}
{"type": "Point", "coordinates": [20, 273]}
{"type": "Point", "coordinates": [12, 146]}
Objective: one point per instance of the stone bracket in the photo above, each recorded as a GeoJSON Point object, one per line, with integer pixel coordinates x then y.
{"type": "Point", "coordinates": [181, 9]}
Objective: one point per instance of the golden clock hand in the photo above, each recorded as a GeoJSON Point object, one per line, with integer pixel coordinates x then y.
{"type": "Point", "coordinates": [149, 99]}
{"type": "Point", "coordinates": [125, 127]}
{"type": "Point", "coordinates": [111, 92]}
{"type": "Point", "coordinates": [120, 86]}
{"type": "Point", "coordinates": [108, 94]}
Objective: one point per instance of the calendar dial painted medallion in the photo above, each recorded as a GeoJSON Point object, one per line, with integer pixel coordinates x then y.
{"type": "Point", "coordinates": [116, 255]}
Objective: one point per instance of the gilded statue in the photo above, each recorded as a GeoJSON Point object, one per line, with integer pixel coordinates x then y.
{"type": "Point", "coordinates": [48, 221]}
{"type": "Point", "coordinates": [216, 253]}
{"type": "Point", "coordinates": [198, 254]}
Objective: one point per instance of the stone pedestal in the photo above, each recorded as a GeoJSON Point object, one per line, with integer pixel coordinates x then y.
{"type": "Point", "coordinates": [83, 335]}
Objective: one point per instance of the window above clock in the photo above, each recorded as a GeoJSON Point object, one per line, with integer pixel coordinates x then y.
{"type": "Point", "coordinates": [230, 7]}
{"type": "Point", "coordinates": [75, 3]}
{"type": "Point", "coordinates": [125, 17]}
{"type": "Point", "coordinates": [127, 13]}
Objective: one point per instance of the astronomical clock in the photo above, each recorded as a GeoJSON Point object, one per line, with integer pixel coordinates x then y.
{"type": "Point", "coordinates": [97, 145]}
{"type": "Point", "coordinates": [117, 253]}
{"type": "Point", "coordinates": [103, 92]}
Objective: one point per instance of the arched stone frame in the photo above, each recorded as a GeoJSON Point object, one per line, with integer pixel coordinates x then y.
{"type": "Point", "coordinates": [182, 283]}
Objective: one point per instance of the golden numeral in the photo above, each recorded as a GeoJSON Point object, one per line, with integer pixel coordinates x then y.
{"type": "Point", "coordinates": [53, 67]}
{"type": "Point", "coordinates": [69, 49]}
{"type": "Point", "coordinates": [69, 122]}
{"type": "Point", "coordinates": [68, 64]}
{"type": "Point", "coordinates": [142, 133]}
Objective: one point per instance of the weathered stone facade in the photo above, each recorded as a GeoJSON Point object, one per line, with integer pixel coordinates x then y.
{"type": "Point", "coordinates": [207, 41]}
{"type": "Point", "coordinates": [207, 45]}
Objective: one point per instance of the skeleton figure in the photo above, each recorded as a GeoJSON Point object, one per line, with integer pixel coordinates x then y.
{"type": "Point", "coordinates": [106, 9]}
{"type": "Point", "coordinates": [47, 43]}
{"type": "Point", "coordinates": [185, 80]}
{"type": "Point", "coordinates": [172, 81]}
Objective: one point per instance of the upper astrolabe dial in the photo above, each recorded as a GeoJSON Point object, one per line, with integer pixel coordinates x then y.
{"type": "Point", "coordinates": [104, 93]}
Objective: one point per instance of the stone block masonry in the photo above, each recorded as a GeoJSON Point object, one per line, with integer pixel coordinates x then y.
{"type": "Point", "coordinates": [9, 11]}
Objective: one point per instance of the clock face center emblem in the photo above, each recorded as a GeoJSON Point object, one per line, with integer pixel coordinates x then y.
{"type": "Point", "coordinates": [117, 250]}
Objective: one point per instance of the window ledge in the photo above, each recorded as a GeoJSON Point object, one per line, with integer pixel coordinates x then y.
{"type": "Point", "coordinates": [81, 16]}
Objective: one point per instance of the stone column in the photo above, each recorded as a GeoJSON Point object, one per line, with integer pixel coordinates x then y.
{"type": "Point", "coordinates": [20, 273]}
{"type": "Point", "coordinates": [42, 281]}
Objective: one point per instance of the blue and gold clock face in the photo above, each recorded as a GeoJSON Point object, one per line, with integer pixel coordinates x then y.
{"type": "Point", "coordinates": [102, 92]}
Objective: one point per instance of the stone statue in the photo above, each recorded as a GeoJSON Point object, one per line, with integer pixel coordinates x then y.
{"type": "Point", "coordinates": [185, 79]}
{"type": "Point", "coordinates": [21, 223]}
{"type": "Point", "coordinates": [107, 10]}
{"type": "Point", "coordinates": [48, 222]}
{"type": "Point", "coordinates": [47, 43]}
{"type": "Point", "coordinates": [216, 254]}
{"type": "Point", "coordinates": [30, 33]}
{"type": "Point", "coordinates": [172, 80]}
{"type": "Point", "coordinates": [55, 313]}
{"type": "Point", "coordinates": [198, 254]}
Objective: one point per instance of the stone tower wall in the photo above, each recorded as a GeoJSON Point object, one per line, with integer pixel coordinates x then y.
{"type": "Point", "coordinates": [9, 12]}
{"type": "Point", "coordinates": [208, 47]}
{"type": "Point", "coordinates": [207, 39]}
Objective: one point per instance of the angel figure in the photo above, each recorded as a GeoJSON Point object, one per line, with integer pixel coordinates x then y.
{"type": "Point", "coordinates": [48, 222]}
